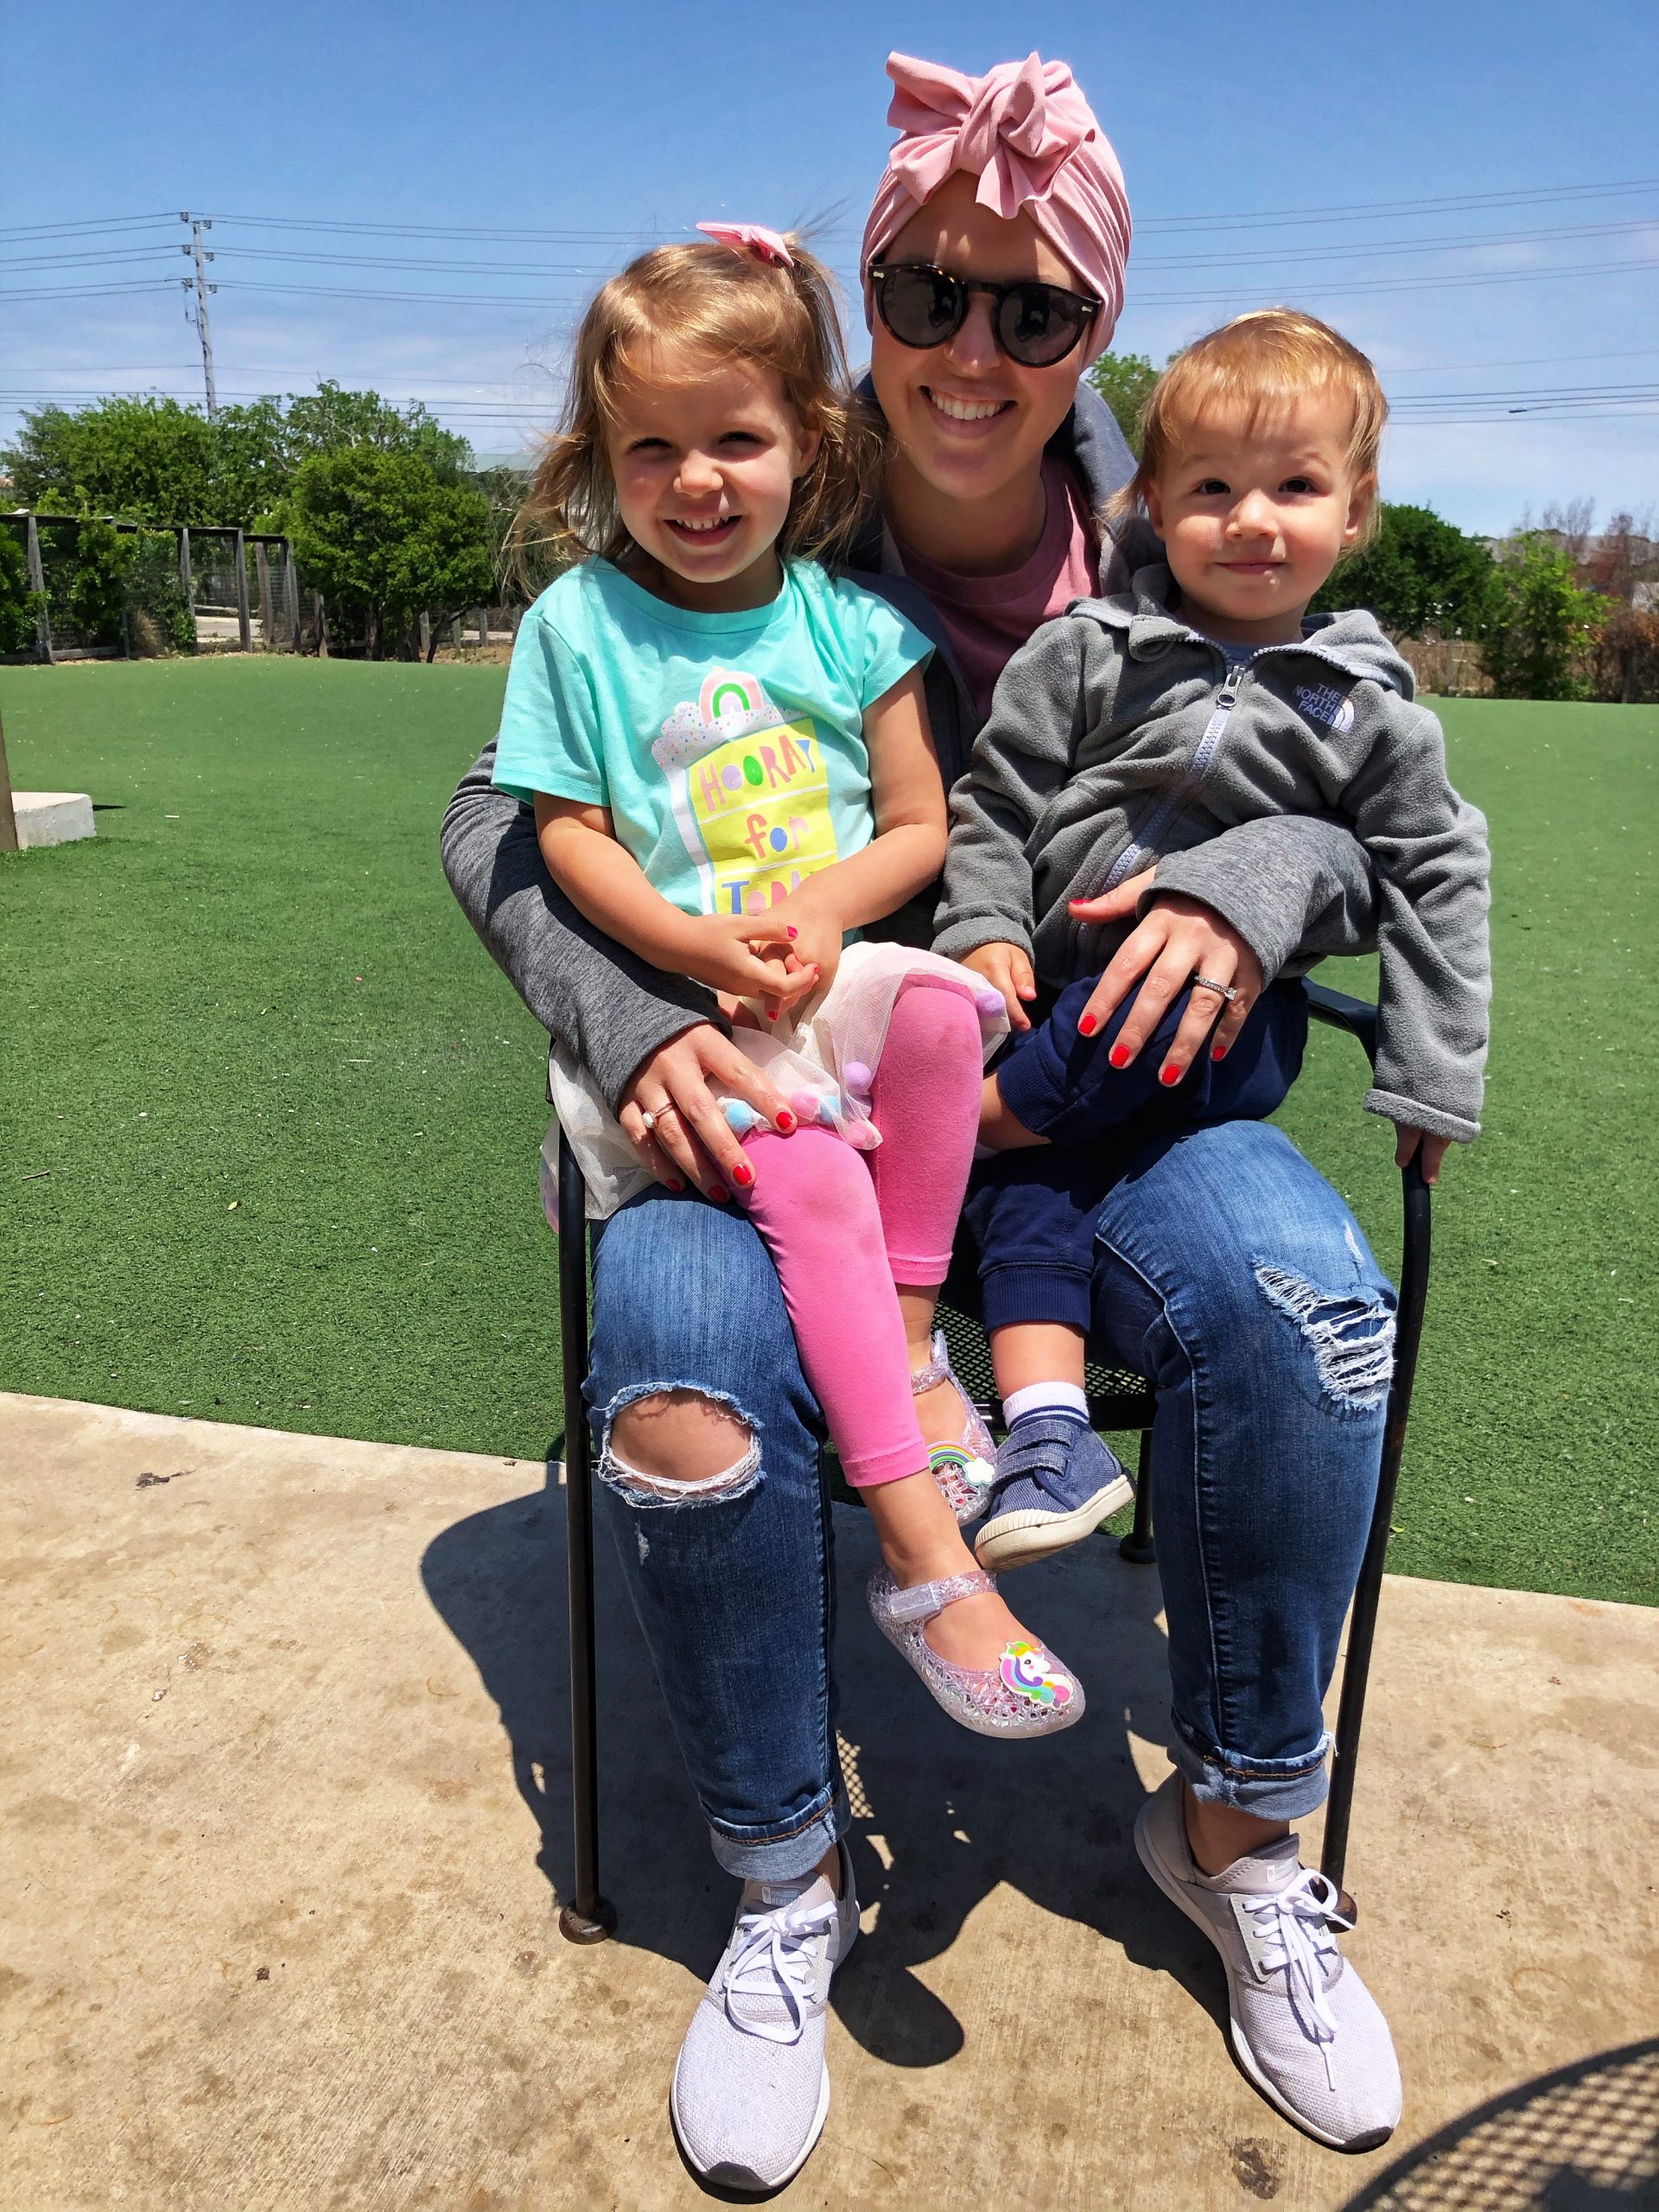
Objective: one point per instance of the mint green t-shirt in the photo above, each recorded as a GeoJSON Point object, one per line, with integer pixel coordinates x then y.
{"type": "Point", "coordinates": [729, 748]}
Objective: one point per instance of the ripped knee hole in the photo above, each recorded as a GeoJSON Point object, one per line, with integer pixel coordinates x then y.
{"type": "Point", "coordinates": [1351, 1338]}
{"type": "Point", "coordinates": [700, 1451]}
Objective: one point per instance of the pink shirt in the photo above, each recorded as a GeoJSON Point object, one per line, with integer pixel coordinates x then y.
{"type": "Point", "coordinates": [988, 619]}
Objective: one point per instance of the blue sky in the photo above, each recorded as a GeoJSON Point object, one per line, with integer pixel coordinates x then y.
{"type": "Point", "coordinates": [611, 126]}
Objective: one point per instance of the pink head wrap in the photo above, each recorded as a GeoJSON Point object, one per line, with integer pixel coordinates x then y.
{"type": "Point", "coordinates": [1028, 133]}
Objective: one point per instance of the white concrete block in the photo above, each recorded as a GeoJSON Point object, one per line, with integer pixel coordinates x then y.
{"type": "Point", "coordinates": [52, 817]}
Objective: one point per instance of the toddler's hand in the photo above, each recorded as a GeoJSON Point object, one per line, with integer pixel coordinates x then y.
{"type": "Point", "coordinates": [1006, 967]}
{"type": "Point", "coordinates": [1432, 1153]}
{"type": "Point", "coordinates": [728, 957]}
{"type": "Point", "coordinates": [812, 933]}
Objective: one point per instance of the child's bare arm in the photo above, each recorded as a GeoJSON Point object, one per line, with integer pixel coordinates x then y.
{"type": "Point", "coordinates": [907, 850]}
{"type": "Point", "coordinates": [602, 880]}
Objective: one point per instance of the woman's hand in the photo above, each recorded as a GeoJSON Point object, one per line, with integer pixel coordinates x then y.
{"type": "Point", "coordinates": [1180, 937]}
{"type": "Point", "coordinates": [1006, 968]}
{"type": "Point", "coordinates": [1434, 1150]}
{"type": "Point", "coordinates": [692, 1141]}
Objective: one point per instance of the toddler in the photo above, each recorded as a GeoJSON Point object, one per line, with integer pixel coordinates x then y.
{"type": "Point", "coordinates": [1133, 727]}
{"type": "Point", "coordinates": [728, 753]}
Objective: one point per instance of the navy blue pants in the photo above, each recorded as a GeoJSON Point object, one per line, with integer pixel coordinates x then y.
{"type": "Point", "coordinates": [1032, 1214]}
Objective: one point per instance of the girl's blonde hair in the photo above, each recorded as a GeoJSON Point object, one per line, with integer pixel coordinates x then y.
{"type": "Point", "coordinates": [1260, 362]}
{"type": "Point", "coordinates": [728, 304]}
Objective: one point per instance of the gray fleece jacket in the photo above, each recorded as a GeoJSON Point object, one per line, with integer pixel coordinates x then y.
{"type": "Point", "coordinates": [1119, 737]}
{"type": "Point", "coordinates": [1285, 884]}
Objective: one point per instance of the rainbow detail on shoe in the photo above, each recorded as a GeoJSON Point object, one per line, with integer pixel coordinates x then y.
{"type": "Point", "coordinates": [1030, 1673]}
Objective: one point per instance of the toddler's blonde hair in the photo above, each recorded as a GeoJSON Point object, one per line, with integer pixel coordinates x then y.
{"type": "Point", "coordinates": [708, 300]}
{"type": "Point", "coordinates": [1263, 363]}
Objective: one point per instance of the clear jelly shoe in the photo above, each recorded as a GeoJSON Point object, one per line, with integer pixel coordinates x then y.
{"type": "Point", "coordinates": [964, 1471]}
{"type": "Point", "coordinates": [1027, 1693]}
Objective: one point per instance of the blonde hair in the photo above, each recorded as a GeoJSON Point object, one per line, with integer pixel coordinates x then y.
{"type": "Point", "coordinates": [724, 301]}
{"type": "Point", "coordinates": [1261, 362]}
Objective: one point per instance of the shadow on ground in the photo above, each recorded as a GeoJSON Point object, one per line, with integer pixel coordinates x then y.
{"type": "Point", "coordinates": [941, 1817]}
{"type": "Point", "coordinates": [1584, 2138]}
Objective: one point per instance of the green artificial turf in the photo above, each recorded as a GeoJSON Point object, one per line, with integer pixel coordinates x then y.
{"type": "Point", "coordinates": [269, 1116]}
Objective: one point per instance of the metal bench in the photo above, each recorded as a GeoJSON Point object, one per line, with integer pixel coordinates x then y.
{"type": "Point", "coordinates": [1118, 1398]}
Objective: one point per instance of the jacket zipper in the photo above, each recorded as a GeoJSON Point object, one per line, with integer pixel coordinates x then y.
{"type": "Point", "coordinates": [1208, 745]}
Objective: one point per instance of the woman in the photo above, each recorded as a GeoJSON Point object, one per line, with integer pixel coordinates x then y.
{"type": "Point", "coordinates": [1263, 1465]}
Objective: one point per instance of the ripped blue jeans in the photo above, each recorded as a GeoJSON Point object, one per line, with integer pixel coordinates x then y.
{"type": "Point", "coordinates": [1226, 1269]}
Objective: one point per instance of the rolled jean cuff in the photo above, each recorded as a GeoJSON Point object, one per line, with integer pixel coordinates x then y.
{"type": "Point", "coordinates": [1274, 1789]}
{"type": "Point", "coordinates": [759, 1858]}
{"type": "Point", "coordinates": [1043, 1292]}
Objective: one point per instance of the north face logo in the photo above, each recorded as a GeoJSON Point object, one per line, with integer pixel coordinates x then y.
{"type": "Point", "coordinates": [1323, 703]}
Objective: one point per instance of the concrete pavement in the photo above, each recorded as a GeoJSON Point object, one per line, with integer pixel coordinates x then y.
{"type": "Point", "coordinates": [286, 1802]}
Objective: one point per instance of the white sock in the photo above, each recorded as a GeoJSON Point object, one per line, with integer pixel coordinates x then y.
{"type": "Point", "coordinates": [1045, 1398]}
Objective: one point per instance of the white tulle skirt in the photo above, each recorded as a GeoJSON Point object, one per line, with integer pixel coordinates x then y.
{"type": "Point", "coordinates": [824, 1064]}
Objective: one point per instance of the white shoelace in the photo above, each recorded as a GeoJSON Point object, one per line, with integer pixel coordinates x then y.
{"type": "Point", "coordinates": [1294, 1925]}
{"type": "Point", "coordinates": [772, 1962]}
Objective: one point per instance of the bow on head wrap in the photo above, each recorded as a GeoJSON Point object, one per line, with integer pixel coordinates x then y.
{"type": "Point", "coordinates": [1027, 132]}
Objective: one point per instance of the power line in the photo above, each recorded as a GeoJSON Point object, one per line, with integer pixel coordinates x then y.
{"type": "Point", "coordinates": [1402, 284]}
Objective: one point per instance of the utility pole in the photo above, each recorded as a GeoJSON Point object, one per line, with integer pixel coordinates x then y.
{"type": "Point", "coordinates": [199, 284]}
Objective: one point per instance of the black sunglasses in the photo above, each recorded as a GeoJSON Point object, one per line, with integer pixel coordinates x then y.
{"type": "Point", "coordinates": [1035, 324]}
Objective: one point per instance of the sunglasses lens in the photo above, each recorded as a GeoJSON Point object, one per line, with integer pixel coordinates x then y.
{"type": "Point", "coordinates": [921, 307]}
{"type": "Point", "coordinates": [1038, 324]}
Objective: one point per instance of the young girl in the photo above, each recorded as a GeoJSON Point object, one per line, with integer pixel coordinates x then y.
{"type": "Point", "coordinates": [727, 754]}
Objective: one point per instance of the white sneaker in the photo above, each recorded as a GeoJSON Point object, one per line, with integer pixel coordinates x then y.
{"type": "Point", "coordinates": [1305, 2027]}
{"type": "Point", "coordinates": [751, 2088]}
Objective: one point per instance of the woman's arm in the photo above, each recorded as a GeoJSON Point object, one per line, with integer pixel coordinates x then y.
{"type": "Point", "coordinates": [604, 882]}
{"type": "Point", "coordinates": [1279, 892]}
{"type": "Point", "coordinates": [613, 1009]}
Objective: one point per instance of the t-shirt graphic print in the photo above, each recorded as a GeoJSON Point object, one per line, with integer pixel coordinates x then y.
{"type": "Point", "coordinates": [750, 791]}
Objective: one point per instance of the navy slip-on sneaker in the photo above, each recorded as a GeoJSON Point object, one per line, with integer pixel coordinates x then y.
{"type": "Point", "coordinates": [1056, 1482]}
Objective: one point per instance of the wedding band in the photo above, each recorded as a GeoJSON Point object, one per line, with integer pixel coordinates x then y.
{"type": "Point", "coordinates": [1209, 984]}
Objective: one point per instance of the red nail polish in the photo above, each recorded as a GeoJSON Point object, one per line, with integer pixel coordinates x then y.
{"type": "Point", "coordinates": [1219, 1053]}
{"type": "Point", "coordinates": [1119, 1056]}
{"type": "Point", "coordinates": [771, 1016]}
{"type": "Point", "coordinates": [743, 1175]}
{"type": "Point", "coordinates": [1087, 1025]}
{"type": "Point", "coordinates": [785, 1123]}
{"type": "Point", "coordinates": [1170, 1074]}
{"type": "Point", "coordinates": [676, 1186]}
{"type": "Point", "coordinates": [721, 1198]}
{"type": "Point", "coordinates": [791, 930]}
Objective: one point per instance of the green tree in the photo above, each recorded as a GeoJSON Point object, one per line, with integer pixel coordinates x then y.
{"type": "Point", "coordinates": [1539, 624]}
{"type": "Point", "coordinates": [153, 459]}
{"type": "Point", "coordinates": [380, 533]}
{"type": "Point", "coordinates": [162, 620]}
{"type": "Point", "coordinates": [330, 419]}
{"type": "Point", "coordinates": [19, 606]}
{"type": "Point", "coordinates": [1419, 574]}
{"type": "Point", "coordinates": [1124, 381]}
{"type": "Point", "coordinates": [97, 584]}
{"type": "Point", "coordinates": [149, 459]}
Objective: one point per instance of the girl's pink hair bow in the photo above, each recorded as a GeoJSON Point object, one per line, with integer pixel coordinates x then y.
{"type": "Point", "coordinates": [752, 237]}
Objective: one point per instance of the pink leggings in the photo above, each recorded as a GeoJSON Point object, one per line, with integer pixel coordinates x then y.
{"type": "Point", "coordinates": [843, 1227]}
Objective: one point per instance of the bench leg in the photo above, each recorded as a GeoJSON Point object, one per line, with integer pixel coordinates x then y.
{"type": "Point", "coordinates": [1138, 1546]}
{"type": "Point", "coordinates": [587, 1918]}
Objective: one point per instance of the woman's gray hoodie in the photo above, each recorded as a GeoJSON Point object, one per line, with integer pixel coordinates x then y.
{"type": "Point", "coordinates": [1119, 737]}
{"type": "Point", "coordinates": [1284, 884]}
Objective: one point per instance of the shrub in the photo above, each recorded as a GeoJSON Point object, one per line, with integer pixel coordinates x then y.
{"type": "Point", "coordinates": [1540, 625]}
{"type": "Point", "coordinates": [20, 607]}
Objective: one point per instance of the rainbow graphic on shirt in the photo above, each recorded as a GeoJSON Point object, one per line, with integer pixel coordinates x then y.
{"type": "Point", "coordinates": [750, 793]}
